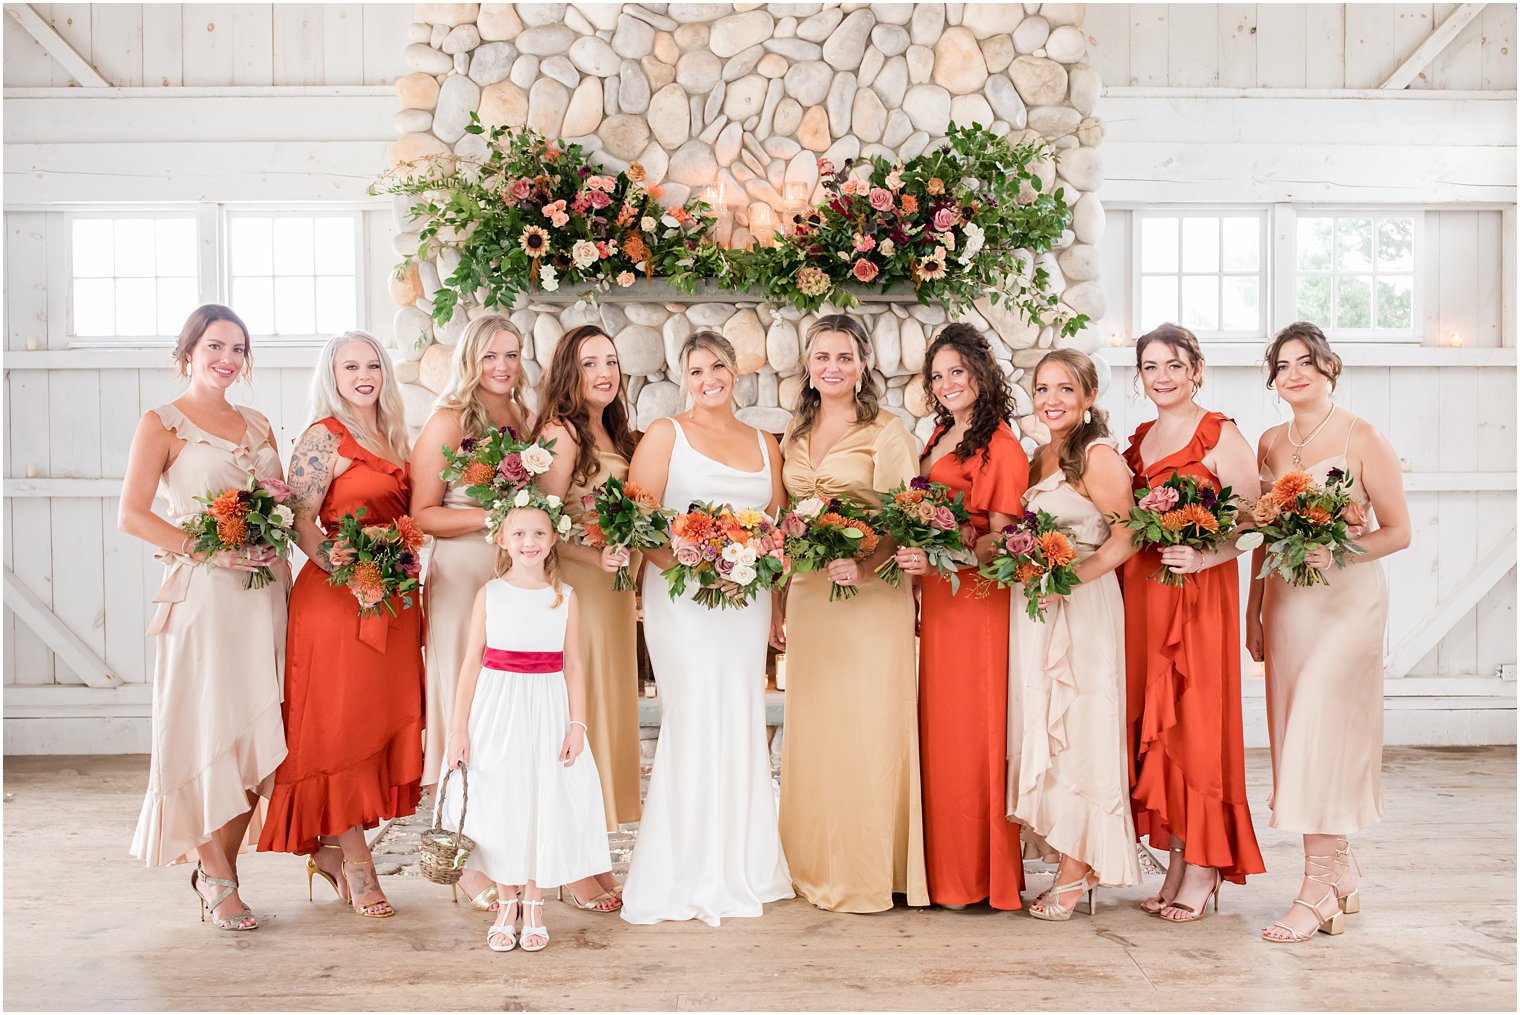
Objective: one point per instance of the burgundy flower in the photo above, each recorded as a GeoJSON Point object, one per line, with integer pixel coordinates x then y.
{"type": "Point", "coordinates": [919, 483]}
{"type": "Point", "coordinates": [512, 469]}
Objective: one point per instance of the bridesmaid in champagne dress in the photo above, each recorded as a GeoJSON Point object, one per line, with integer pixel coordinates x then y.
{"type": "Point", "coordinates": [217, 735]}
{"type": "Point", "coordinates": [584, 411]}
{"type": "Point", "coordinates": [1068, 780]}
{"type": "Point", "coordinates": [851, 810]}
{"type": "Point", "coordinates": [1323, 645]}
{"type": "Point", "coordinates": [354, 701]}
{"type": "Point", "coordinates": [708, 847]}
{"type": "Point", "coordinates": [1182, 648]}
{"type": "Point", "coordinates": [485, 391]}
{"type": "Point", "coordinates": [971, 851]}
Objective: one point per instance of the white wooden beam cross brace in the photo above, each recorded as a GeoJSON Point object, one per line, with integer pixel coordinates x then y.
{"type": "Point", "coordinates": [1434, 43]}
{"type": "Point", "coordinates": [50, 40]}
{"type": "Point", "coordinates": [55, 634]}
{"type": "Point", "coordinates": [1465, 595]}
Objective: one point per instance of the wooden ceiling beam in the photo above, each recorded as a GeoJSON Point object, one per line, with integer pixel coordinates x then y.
{"type": "Point", "coordinates": [1434, 43]}
{"type": "Point", "coordinates": [49, 39]}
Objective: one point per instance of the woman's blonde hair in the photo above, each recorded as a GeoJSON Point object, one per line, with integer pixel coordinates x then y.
{"type": "Point", "coordinates": [551, 559]}
{"type": "Point", "coordinates": [390, 414]}
{"type": "Point", "coordinates": [464, 375]}
{"type": "Point", "coordinates": [867, 394]}
{"type": "Point", "coordinates": [710, 341]}
{"type": "Point", "coordinates": [1079, 365]}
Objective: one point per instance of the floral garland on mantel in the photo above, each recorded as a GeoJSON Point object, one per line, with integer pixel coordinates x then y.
{"type": "Point", "coordinates": [966, 220]}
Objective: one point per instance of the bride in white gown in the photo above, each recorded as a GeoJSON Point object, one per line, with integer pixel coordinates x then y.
{"type": "Point", "coordinates": [708, 845]}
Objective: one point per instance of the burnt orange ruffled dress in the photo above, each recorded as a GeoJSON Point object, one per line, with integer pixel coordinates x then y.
{"type": "Point", "coordinates": [354, 689]}
{"type": "Point", "coordinates": [970, 848]}
{"type": "Point", "coordinates": [1182, 656]}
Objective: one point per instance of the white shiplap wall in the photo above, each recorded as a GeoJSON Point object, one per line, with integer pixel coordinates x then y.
{"type": "Point", "coordinates": [290, 103]}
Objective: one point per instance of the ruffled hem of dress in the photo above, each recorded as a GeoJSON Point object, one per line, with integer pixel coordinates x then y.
{"type": "Point", "coordinates": [223, 790]}
{"type": "Point", "coordinates": [1080, 829]}
{"type": "Point", "coordinates": [1214, 833]}
{"type": "Point", "coordinates": [385, 785]}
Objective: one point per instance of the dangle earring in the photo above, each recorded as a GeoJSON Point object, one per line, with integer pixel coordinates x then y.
{"type": "Point", "coordinates": [1086, 416]}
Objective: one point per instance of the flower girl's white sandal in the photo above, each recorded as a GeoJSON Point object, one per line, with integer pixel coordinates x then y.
{"type": "Point", "coordinates": [504, 927]}
{"type": "Point", "coordinates": [528, 930]}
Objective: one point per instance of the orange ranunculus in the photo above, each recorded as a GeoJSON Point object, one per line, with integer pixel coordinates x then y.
{"type": "Point", "coordinates": [1266, 510]}
{"type": "Point", "coordinates": [231, 531]}
{"type": "Point", "coordinates": [1175, 520]}
{"type": "Point", "coordinates": [366, 581]}
{"type": "Point", "coordinates": [411, 533]}
{"type": "Point", "coordinates": [1202, 517]}
{"type": "Point", "coordinates": [1028, 572]}
{"type": "Point", "coordinates": [1057, 549]}
{"type": "Point", "coordinates": [1291, 485]}
{"type": "Point", "coordinates": [477, 474]}
{"type": "Point", "coordinates": [638, 493]}
{"type": "Point", "coordinates": [831, 518]}
{"type": "Point", "coordinates": [695, 526]}
{"type": "Point", "coordinates": [227, 505]}
{"type": "Point", "coordinates": [1317, 514]}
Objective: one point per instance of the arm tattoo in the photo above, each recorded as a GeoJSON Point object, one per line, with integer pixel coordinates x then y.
{"type": "Point", "coordinates": [311, 469]}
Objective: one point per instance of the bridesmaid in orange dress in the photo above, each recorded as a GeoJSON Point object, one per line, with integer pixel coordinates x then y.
{"type": "Point", "coordinates": [353, 688]}
{"type": "Point", "coordinates": [971, 849]}
{"type": "Point", "coordinates": [1182, 651]}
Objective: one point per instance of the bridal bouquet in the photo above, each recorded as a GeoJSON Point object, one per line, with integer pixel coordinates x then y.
{"type": "Point", "coordinates": [376, 562]}
{"type": "Point", "coordinates": [624, 517]}
{"type": "Point", "coordinates": [243, 518]}
{"type": "Point", "coordinates": [925, 516]}
{"type": "Point", "coordinates": [493, 467]}
{"type": "Point", "coordinates": [1036, 553]}
{"type": "Point", "coordinates": [1299, 515]}
{"type": "Point", "coordinates": [819, 533]}
{"type": "Point", "coordinates": [1180, 512]}
{"type": "Point", "coordinates": [732, 556]}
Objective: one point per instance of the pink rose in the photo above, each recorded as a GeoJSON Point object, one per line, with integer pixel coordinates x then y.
{"type": "Point", "coordinates": [864, 270]}
{"type": "Point", "coordinates": [688, 556]}
{"type": "Point", "coordinates": [1162, 498]}
{"type": "Point", "coordinates": [881, 199]}
{"type": "Point", "coordinates": [521, 188]}
{"type": "Point", "coordinates": [1021, 544]}
{"type": "Point", "coordinates": [793, 526]}
{"type": "Point", "coordinates": [944, 220]}
{"type": "Point", "coordinates": [588, 502]}
{"type": "Point", "coordinates": [944, 518]}
{"type": "Point", "coordinates": [599, 199]}
{"type": "Point", "coordinates": [341, 554]}
{"type": "Point", "coordinates": [724, 567]}
{"type": "Point", "coordinates": [512, 469]}
{"type": "Point", "coordinates": [825, 167]}
{"type": "Point", "coordinates": [280, 491]}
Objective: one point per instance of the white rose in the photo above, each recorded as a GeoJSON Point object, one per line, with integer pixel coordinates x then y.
{"type": "Point", "coordinates": [887, 248]}
{"type": "Point", "coordinates": [810, 508]}
{"type": "Point", "coordinates": [647, 224]}
{"type": "Point", "coordinates": [552, 500]}
{"type": "Point", "coordinates": [283, 516]}
{"type": "Point", "coordinates": [746, 557]}
{"type": "Point", "coordinates": [731, 552]}
{"type": "Point", "coordinates": [536, 459]}
{"type": "Point", "coordinates": [522, 498]}
{"type": "Point", "coordinates": [547, 279]}
{"type": "Point", "coordinates": [564, 524]}
{"type": "Point", "coordinates": [583, 253]}
{"type": "Point", "coordinates": [975, 238]}
{"type": "Point", "coordinates": [742, 574]}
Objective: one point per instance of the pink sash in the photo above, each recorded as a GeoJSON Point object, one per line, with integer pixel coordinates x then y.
{"type": "Point", "coordinates": [522, 662]}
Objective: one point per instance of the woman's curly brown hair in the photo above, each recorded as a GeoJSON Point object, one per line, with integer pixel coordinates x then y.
{"type": "Point", "coordinates": [994, 400]}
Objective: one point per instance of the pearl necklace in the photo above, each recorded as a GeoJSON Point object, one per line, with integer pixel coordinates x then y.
{"type": "Point", "coordinates": [1299, 445]}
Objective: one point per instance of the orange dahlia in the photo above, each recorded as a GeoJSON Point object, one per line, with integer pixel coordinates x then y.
{"type": "Point", "coordinates": [1202, 517]}
{"type": "Point", "coordinates": [1057, 549]}
{"type": "Point", "coordinates": [1317, 514]}
{"type": "Point", "coordinates": [695, 526]}
{"type": "Point", "coordinates": [869, 541]}
{"type": "Point", "coordinates": [231, 531]}
{"type": "Point", "coordinates": [1291, 485]}
{"type": "Point", "coordinates": [411, 533]}
{"type": "Point", "coordinates": [830, 518]}
{"type": "Point", "coordinates": [227, 505]}
{"type": "Point", "coordinates": [1175, 520]}
{"type": "Point", "coordinates": [477, 474]}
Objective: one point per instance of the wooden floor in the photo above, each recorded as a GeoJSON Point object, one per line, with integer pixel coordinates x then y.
{"type": "Point", "coordinates": [88, 928]}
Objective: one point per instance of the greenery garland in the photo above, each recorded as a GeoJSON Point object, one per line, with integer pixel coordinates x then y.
{"type": "Point", "coordinates": [966, 220]}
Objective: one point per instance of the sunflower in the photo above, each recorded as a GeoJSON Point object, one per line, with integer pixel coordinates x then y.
{"type": "Point", "coordinates": [535, 241]}
{"type": "Point", "coordinates": [932, 266]}
{"type": "Point", "coordinates": [1057, 549]}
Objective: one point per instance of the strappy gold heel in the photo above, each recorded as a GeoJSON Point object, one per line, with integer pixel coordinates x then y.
{"type": "Point", "coordinates": [486, 901]}
{"type": "Point", "coordinates": [1053, 910]}
{"type": "Point", "coordinates": [1195, 915]}
{"type": "Point", "coordinates": [313, 872]}
{"type": "Point", "coordinates": [234, 922]}
{"type": "Point", "coordinates": [1333, 924]}
{"type": "Point", "coordinates": [374, 910]}
{"type": "Point", "coordinates": [1351, 902]}
{"type": "Point", "coordinates": [590, 905]}
{"type": "Point", "coordinates": [1174, 856]}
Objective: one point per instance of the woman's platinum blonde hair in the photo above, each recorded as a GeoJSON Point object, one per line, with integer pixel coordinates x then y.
{"type": "Point", "coordinates": [464, 374]}
{"type": "Point", "coordinates": [390, 414]}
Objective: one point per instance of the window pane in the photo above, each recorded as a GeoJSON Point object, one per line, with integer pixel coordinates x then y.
{"type": "Point", "coordinates": [1353, 301]}
{"type": "Point", "coordinates": [94, 246]}
{"type": "Point", "coordinates": [1200, 302]}
{"type": "Point", "coordinates": [292, 247]}
{"type": "Point", "coordinates": [335, 245]}
{"type": "Point", "coordinates": [136, 306]}
{"type": "Point", "coordinates": [1200, 244]}
{"type": "Point", "coordinates": [1158, 300]}
{"type": "Point", "coordinates": [176, 244]}
{"type": "Point", "coordinates": [251, 246]}
{"type": "Point", "coordinates": [1242, 305]}
{"type": "Point", "coordinates": [94, 306]}
{"type": "Point", "coordinates": [176, 298]}
{"type": "Point", "coordinates": [1313, 300]}
{"type": "Point", "coordinates": [1395, 244]}
{"type": "Point", "coordinates": [294, 310]}
{"type": "Point", "coordinates": [135, 244]}
{"type": "Point", "coordinates": [1353, 244]}
{"type": "Point", "coordinates": [1158, 244]}
{"type": "Point", "coordinates": [335, 304]}
{"type": "Point", "coordinates": [1314, 239]}
{"type": "Point", "coordinates": [253, 298]}
{"type": "Point", "coordinates": [1395, 306]}
{"type": "Point", "coordinates": [1242, 244]}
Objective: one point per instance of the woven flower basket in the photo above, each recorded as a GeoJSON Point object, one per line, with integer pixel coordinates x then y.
{"type": "Point", "coordinates": [444, 852]}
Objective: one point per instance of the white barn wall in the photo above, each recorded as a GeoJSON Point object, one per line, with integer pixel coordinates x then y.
{"type": "Point", "coordinates": [291, 103]}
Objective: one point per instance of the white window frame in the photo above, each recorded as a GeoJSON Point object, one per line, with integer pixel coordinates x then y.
{"type": "Point", "coordinates": [1285, 269]}
{"type": "Point", "coordinates": [1262, 213]}
{"type": "Point", "coordinates": [213, 262]}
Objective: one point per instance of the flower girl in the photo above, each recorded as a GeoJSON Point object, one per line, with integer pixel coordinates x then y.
{"type": "Point", "coordinates": [536, 809]}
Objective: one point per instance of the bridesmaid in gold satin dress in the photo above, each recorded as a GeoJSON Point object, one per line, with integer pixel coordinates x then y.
{"type": "Point", "coordinates": [1323, 646]}
{"type": "Point", "coordinates": [851, 813]}
{"type": "Point", "coordinates": [485, 390]}
{"type": "Point", "coordinates": [583, 409]}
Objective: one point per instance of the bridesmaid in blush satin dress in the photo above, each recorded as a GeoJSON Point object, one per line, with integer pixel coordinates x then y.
{"type": "Point", "coordinates": [217, 736]}
{"type": "Point", "coordinates": [354, 687]}
{"type": "Point", "coordinates": [971, 850]}
{"type": "Point", "coordinates": [1187, 755]}
{"type": "Point", "coordinates": [1323, 645]}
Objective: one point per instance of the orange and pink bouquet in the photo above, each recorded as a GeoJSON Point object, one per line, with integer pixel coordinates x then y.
{"type": "Point", "coordinates": [623, 516]}
{"type": "Point", "coordinates": [1181, 511]}
{"type": "Point", "coordinates": [377, 563]}
{"type": "Point", "coordinates": [1039, 555]}
{"type": "Point", "coordinates": [1298, 515]}
{"type": "Point", "coordinates": [928, 517]}
{"type": "Point", "coordinates": [731, 555]}
{"type": "Point", "coordinates": [255, 515]}
{"type": "Point", "coordinates": [819, 533]}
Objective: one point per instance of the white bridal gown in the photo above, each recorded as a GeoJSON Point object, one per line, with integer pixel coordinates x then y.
{"type": "Point", "coordinates": [708, 845]}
